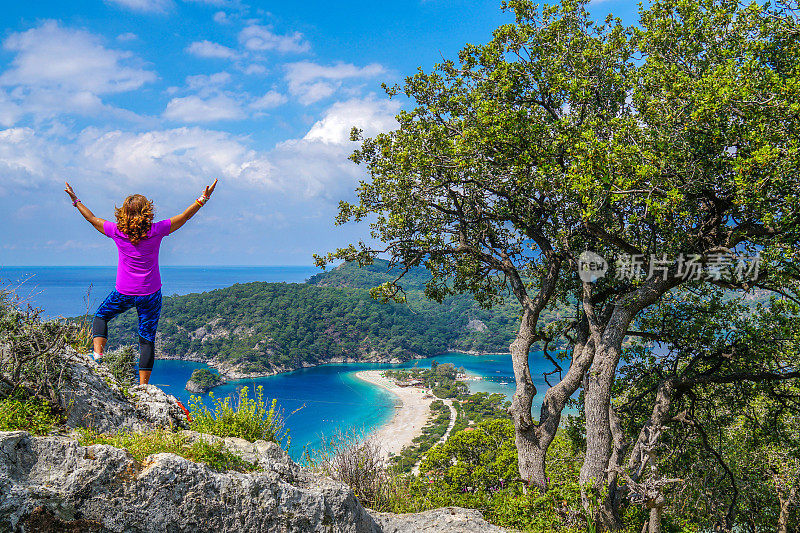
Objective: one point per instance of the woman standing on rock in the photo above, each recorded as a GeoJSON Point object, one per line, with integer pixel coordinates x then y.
{"type": "Point", "coordinates": [138, 278]}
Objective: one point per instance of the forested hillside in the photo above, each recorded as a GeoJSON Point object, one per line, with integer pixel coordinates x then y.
{"type": "Point", "coordinates": [475, 329]}
{"type": "Point", "coordinates": [264, 327]}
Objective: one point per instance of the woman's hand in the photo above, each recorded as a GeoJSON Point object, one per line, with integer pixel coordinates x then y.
{"type": "Point", "coordinates": [179, 220]}
{"type": "Point", "coordinates": [210, 189]}
{"type": "Point", "coordinates": [87, 214]}
{"type": "Point", "coordinates": [71, 193]}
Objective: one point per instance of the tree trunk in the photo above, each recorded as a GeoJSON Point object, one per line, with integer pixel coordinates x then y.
{"type": "Point", "coordinates": [619, 446]}
{"type": "Point", "coordinates": [608, 337]}
{"type": "Point", "coordinates": [529, 450]}
{"type": "Point", "coordinates": [597, 399]}
{"type": "Point", "coordinates": [533, 439]}
{"type": "Point", "coordinates": [783, 517]}
{"type": "Point", "coordinates": [531, 444]}
{"type": "Point", "coordinates": [531, 455]}
{"type": "Point", "coordinates": [654, 525]}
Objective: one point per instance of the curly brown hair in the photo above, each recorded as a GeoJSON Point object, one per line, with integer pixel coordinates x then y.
{"type": "Point", "coordinates": [135, 217]}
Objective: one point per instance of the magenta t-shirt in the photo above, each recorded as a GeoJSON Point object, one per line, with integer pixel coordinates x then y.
{"type": "Point", "coordinates": [137, 268]}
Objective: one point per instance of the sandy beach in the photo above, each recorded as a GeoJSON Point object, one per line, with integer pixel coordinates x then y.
{"type": "Point", "coordinates": [408, 419]}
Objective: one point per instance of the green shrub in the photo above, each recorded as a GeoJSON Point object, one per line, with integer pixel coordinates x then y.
{"type": "Point", "coordinates": [21, 413]}
{"type": "Point", "coordinates": [121, 363]}
{"type": "Point", "coordinates": [477, 469]}
{"type": "Point", "coordinates": [142, 445]}
{"type": "Point", "coordinates": [482, 457]}
{"type": "Point", "coordinates": [31, 350]}
{"type": "Point", "coordinates": [251, 419]}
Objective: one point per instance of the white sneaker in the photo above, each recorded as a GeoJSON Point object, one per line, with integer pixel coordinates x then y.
{"type": "Point", "coordinates": [98, 357]}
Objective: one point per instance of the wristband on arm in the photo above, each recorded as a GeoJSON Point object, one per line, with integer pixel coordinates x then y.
{"type": "Point", "coordinates": [202, 200]}
{"type": "Point", "coordinates": [75, 202]}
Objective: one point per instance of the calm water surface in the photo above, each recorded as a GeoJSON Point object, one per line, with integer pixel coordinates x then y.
{"type": "Point", "coordinates": [62, 291]}
{"type": "Point", "coordinates": [321, 400]}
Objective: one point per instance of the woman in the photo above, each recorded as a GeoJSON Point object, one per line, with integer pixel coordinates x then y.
{"type": "Point", "coordinates": [138, 277]}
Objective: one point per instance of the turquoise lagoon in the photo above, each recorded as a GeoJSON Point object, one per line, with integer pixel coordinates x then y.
{"type": "Point", "coordinates": [322, 400]}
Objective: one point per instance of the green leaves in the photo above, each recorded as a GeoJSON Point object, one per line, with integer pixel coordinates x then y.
{"type": "Point", "coordinates": [672, 137]}
{"type": "Point", "coordinates": [251, 419]}
{"type": "Point", "coordinates": [20, 412]}
{"type": "Point", "coordinates": [141, 445]}
{"type": "Point", "coordinates": [476, 458]}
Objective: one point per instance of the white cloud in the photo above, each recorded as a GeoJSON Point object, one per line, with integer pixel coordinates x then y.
{"type": "Point", "coordinates": [177, 157]}
{"type": "Point", "coordinates": [220, 17]}
{"type": "Point", "coordinates": [211, 50]}
{"type": "Point", "coordinates": [12, 157]}
{"type": "Point", "coordinates": [369, 114]}
{"type": "Point", "coordinates": [54, 57]}
{"type": "Point", "coordinates": [255, 69]}
{"type": "Point", "coordinates": [305, 71]}
{"type": "Point", "coordinates": [269, 100]}
{"type": "Point", "coordinates": [218, 3]}
{"type": "Point", "coordinates": [193, 108]}
{"type": "Point", "coordinates": [117, 160]}
{"type": "Point", "coordinates": [48, 103]}
{"type": "Point", "coordinates": [312, 82]}
{"type": "Point", "coordinates": [125, 37]}
{"type": "Point", "coordinates": [260, 38]}
{"type": "Point", "coordinates": [315, 169]}
{"type": "Point", "coordinates": [317, 164]}
{"type": "Point", "coordinates": [210, 82]}
{"type": "Point", "coordinates": [149, 6]}
{"type": "Point", "coordinates": [112, 161]}
{"type": "Point", "coordinates": [27, 159]}
{"type": "Point", "coordinates": [314, 92]}
{"type": "Point", "coordinates": [10, 112]}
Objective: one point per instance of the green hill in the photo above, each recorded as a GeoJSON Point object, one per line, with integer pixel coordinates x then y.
{"type": "Point", "coordinates": [266, 327]}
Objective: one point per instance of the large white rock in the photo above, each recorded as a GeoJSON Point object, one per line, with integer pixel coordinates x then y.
{"type": "Point", "coordinates": [103, 488]}
{"type": "Point", "coordinates": [92, 398]}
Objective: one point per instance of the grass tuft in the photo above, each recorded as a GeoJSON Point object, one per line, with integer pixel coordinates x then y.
{"type": "Point", "coordinates": [142, 445]}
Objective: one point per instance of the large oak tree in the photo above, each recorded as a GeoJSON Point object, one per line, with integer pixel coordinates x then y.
{"type": "Point", "coordinates": [675, 139]}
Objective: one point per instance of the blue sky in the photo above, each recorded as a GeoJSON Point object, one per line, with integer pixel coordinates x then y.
{"type": "Point", "coordinates": [159, 97]}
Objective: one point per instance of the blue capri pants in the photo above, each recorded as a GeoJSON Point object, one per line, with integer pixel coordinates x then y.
{"type": "Point", "coordinates": [149, 310]}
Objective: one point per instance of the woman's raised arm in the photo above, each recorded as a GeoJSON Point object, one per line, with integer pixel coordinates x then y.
{"type": "Point", "coordinates": [179, 220]}
{"type": "Point", "coordinates": [87, 214]}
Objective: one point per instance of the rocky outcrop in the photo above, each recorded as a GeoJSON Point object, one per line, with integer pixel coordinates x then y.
{"type": "Point", "coordinates": [55, 484]}
{"type": "Point", "coordinates": [476, 325]}
{"type": "Point", "coordinates": [265, 455]}
{"type": "Point", "coordinates": [92, 398]}
{"type": "Point", "coordinates": [107, 490]}
{"type": "Point", "coordinates": [450, 519]}
{"type": "Point", "coordinates": [196, 388]}
{"type": "Point", "coordinates": [203, 380]}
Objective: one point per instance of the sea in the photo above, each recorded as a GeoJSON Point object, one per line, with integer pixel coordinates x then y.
{"type": "Point", "coordinates": [316, 403]}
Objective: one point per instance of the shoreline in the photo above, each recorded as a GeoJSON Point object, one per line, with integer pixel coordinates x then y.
{"type": "Point", "coordinates": [229, 371]}
{"type": "Point", "coordinates": [410, 416]}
